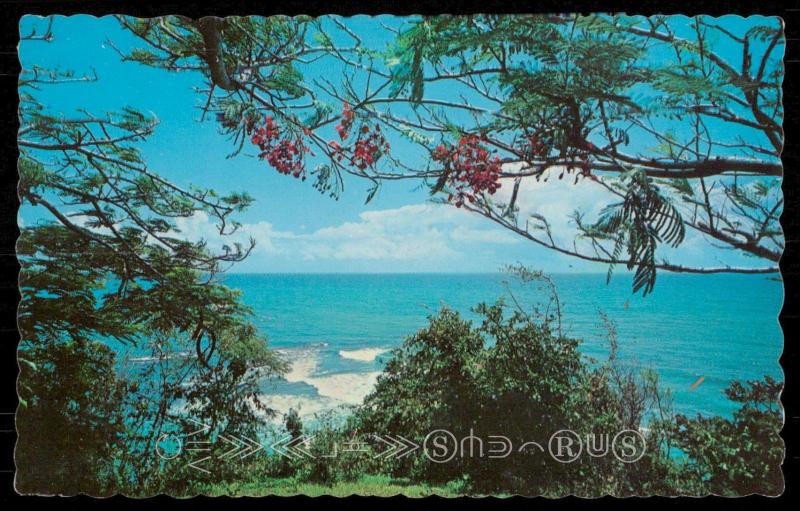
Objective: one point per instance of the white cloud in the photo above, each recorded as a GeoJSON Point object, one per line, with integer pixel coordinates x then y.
{"type": "Point", "coordinates": [201, 226]}
{"type": "Point", "coordinates": [467, 234]}
{"type": "Point", "coordinates": [434, 237]}
{"type": "Point", "coordinates": [408, 233]}
{"type": "Point", "coordinates": [556, 200]}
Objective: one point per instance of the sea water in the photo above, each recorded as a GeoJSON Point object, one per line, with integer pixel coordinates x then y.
{"type": "Point", "coordinates": [337, 329]}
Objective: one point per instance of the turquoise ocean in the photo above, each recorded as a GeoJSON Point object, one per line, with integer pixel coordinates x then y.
{"type": "Point", "coordinates": [337, 329]}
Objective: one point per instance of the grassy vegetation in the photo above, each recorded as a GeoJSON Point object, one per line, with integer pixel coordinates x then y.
{"type": "Point", "coordinates": [373, 485]}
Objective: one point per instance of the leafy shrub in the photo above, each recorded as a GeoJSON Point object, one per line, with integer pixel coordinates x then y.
{"type": "Point", "coordinates": [515, 374]}
{"type": "Point", "coordinates": [70, 419]}
{"type": "Point", "coordinates": [741, 455]}
{"type": "Point", "coordinates": [509, 376]}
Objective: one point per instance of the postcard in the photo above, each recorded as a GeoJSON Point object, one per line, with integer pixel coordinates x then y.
{"type": "Point", "coordinates": [482, 255]}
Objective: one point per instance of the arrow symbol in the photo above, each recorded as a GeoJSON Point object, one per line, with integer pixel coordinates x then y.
{"type": "Point", "coordinates": [253, 447]}
{"type": "Point", "coordinates": [196, 445]}
{"type": "Point", "coordinates": [408, 447]}
{"type": "Point", "coordinates": [393, 444]}
{"type": "Point", "coordinates": [194, 464]}
{"type": "Point", "coordinates": [238, 446]}
{"type": "Point", "coordinates": [297, 447]}
{"type": "Point", "coordinates": [203, 427]}
{"type": "Point", "coordinates": [279, 447]}
{"type": "Point", "coordinates": [399, 446]}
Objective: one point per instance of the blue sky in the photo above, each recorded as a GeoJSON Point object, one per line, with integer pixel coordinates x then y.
{"type": "Point", "coordinates": [296, 228]}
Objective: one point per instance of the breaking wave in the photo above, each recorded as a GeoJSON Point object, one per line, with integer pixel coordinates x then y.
{"type": "Point", "coordinates": [364, 354]}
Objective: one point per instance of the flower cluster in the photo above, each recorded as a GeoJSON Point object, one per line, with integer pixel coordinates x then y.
{"type": "Point", "coordinates": [285, 154]}
{"type": "Point", "coordinates": [470, 168]}
{"type": "Point", "coordinates": [348, 116]}
{"type": "Point", "coordinates": [369, 146]}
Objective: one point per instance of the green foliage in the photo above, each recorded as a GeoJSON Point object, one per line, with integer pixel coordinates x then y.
{"type": "Point", "coordinates": [512, 375]}
{"type": "Point", "coordinates": [338, 453]}
{"type": "Point", "coordinates": [372, 485]}
{"type": "Point", "coordinates": [106, 270]}
{"type": "Point", "coordinates": [254, 68]}
{"type": "Point", "coordinates": [508, 376]}
{"type": "Point", "coordinates": [294, 426]}
{"type": "Point", "coordinates": [71, 419]}
{"type": "Point", "coordinates": [643, 220]}
{"type": "Point", "coordinates": [109, 268]}
{"type": "Point", "coordinates": [592, 90]}
{"type": "Point", "coordinates": [741, 455]}
{"type": "Point", "coordinates": [545, 93]}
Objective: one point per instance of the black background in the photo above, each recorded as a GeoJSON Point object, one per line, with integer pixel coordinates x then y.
{"type": "Point", "coordinates": [11, 11]}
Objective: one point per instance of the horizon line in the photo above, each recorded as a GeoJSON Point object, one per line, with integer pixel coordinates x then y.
{"type": "Point", "coordinates": [395, 273]}
{"type": "Point", "coordinates": [622, 271]}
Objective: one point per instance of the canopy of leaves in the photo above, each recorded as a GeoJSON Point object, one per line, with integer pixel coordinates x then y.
{"type": "Point", "coordinates": [105, 270]}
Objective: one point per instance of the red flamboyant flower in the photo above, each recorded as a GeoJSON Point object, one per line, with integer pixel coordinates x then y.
{"type": "Point", "coordinates": [284, 154]}
{"type": "Point", "coordinates": [369, 147]}
{"type": "Point", "coordinates": [348, 116]}
{"type": "Point", "coordinates": [471, 169]}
